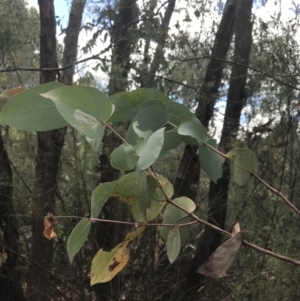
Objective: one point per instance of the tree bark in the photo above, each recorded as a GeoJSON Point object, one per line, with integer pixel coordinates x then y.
{"type": "Point", "coordinates": [71, 40]}
{"type": "Point", "coordinates": [188, 172]}
{"type": "Point", "coordinates": [10, 275]}
{"type": "Point", "coordinates": [161, 41]}
{"type": "Point", "coordinates": [108, 235]}
{"type": "Point", "coordinates": [123, 47]}
{"type": "Point", "coordinates": [49, 143]}
{"type": "Point", "coordinates": [236, 98]}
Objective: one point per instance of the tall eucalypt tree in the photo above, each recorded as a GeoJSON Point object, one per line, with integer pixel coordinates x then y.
{"type": "Point", "coordinates": [155, 126]}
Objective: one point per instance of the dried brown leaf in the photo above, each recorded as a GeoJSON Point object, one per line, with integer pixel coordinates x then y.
{"type": "Point", "coordinates": [49, 226]}
{"type": "Point", "coordinates": [220, 261]}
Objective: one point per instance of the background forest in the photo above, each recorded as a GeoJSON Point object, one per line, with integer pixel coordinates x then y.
{"type": "Point", "coordinates": [234, 64]}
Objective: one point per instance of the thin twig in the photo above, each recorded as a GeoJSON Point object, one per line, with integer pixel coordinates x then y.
{"type": "Point", "coordinates": [143, 224]}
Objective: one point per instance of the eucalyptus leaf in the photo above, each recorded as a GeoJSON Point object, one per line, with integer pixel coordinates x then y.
{"type": "Point", "coordinates": [78, 237]}
{"type": "Point", "coordinates": [124, 157]}
{"type": "Point", "coordinates": [151, 151]}
{"type": "Point", "coordinates": [211, 161]}
{"type": "Point", "coordinates": [83, 107]}
{"type": "Point", "coordinates": [195, 130]}
{"type": "Point", "coordinates": [99, 197]}
{"type": "Point", "coordinates": [29, 111]}
{"type": "Point", "coordinates": [173, 244]}
{"type": "Point", "coordinates": [243, 161]}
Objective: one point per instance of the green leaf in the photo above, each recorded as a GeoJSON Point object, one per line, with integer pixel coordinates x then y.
{"type": "Point", "coordinates": [133, 112]}
{"type": "Point", "coordinates": [146, 123]}
{"type": "Point", "coordinates": [149, 185]}
{"type": "Point", "coordinates": [179, 113]}
{"type": "Point", "coordinates": [83, 107]}
{"type": "Point", "coordinates": [210, 161]}
{"type": "Point", "coordinates": [106, 265]}
{"type": "Point", "coordinates": [194, 130]}
{"type": "Point", "coordinates": [140, 144]}
{"type": "Point", "coordinates": [173, 244]}
{"type": "Point", "coordinates": [78, 237]}
{"type": "Point", "coordinates": [243, 162]}
{"type": "Point", "coordinates": [29, 111]}
{"type": "Point", "coordinates": [100, 196]}
{"type": "Point", "coordinates": [131, 189]}
{"type": "Point", "coordinates": [171, 140]}
{"type": "Point", "coordinates": [174, 215]}
{"type": "Point", "coordinates": [126, 102]}
{"type": "Point", "coordinates": [124, 157]}
{"type": "Point", "coordinates": [151, 150]}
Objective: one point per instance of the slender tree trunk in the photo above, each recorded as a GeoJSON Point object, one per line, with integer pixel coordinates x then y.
{"type": "Point", "coordinates": [108, 235]}
{"type": "Point", "coordinates": [49, 144]}
{"type": "Point", "coordinates": [10, 275]}
{"type": "Point", "coordinates": [218, 193]}
{"type": "Point", "coordinates": [71, 40]}
{"type": "Point", "coordinates": [188, 172]}
{"type": "Point", "coordinates": [123, 47]}
{"type": "Point", "coordinates": [161, 41]}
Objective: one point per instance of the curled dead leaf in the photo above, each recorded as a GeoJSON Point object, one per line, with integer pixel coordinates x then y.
{"type": "Point", "coordinates": [220, 260]}
{"type": "Point", "coordinates": [49, 226]}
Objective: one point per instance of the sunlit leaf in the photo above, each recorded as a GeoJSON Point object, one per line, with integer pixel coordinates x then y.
{"type": "Point", "coordinates": [29, 111]}
{"type": "Point", "coordinates": [78, 237]}
{"type": "Point", "coordinates": [100, 196]}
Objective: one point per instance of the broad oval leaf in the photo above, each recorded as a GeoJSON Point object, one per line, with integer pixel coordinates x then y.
{"type": "Point", "coordinates": [124, 157]}
{"type": "Point", "coordinates": [83, 107]}
{"type": "Point", "coordinates": [179, 113]}
{"type": "Point", "coordinates": [195, 130]}
{"type": "Point", "coordinates": [174, 215]}
{"type": "Point", "coordinates": [146, 123]}
{"type": "Point", "coordinates": [29, 111]}
{"type": "Point", "coordinates": [100, 196]}
{"type": "Point", "coordinates": [151, 151]}
{"type": "Point", "coordinates": [106, 265]}
{"type": "Point", "coordinates": [128, 101]}
{"type": "Point", "coordinates": [78, 237]}
{"type": "Point", "coordinates": [243, 161]}
{"type": "Point", "coordinates": [173, 244]}
{"type": "Point", "coordinates": [211, 161]}
{"type": "Point", "coordinates": [130, 189]}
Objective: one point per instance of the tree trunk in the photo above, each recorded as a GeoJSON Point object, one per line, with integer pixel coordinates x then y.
{"type": "Point", "coordinates": [188, 172]}
{"type": "Point", "coordinates": [108, 235]}
{"type": "Point", "coordinates": [49, 143]}
{"type": "Point", "coordinates": [236, 98]}
{"type": "Point", "coordinates": [123, 47]}
{"type": "Point", "coordinates": [161, 41]}
{"type": "Point", "coordinates": [71, 40]}
{"type": "Point", "coordinates": [10, 275]}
